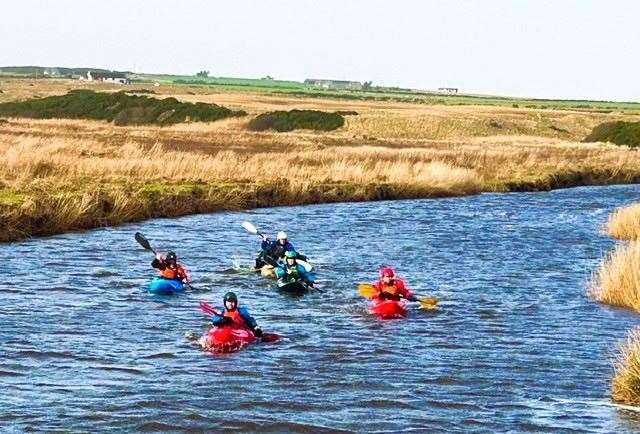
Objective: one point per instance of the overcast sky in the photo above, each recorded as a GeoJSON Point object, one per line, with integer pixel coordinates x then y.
{"type": "Point", "coordinates": [539, 48]}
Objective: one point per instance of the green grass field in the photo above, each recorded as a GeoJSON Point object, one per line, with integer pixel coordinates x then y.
{"type": "Point", "coordinates": [385, 94]}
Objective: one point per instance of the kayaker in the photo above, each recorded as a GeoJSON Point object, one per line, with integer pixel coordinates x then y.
{"type": "Point", "coordinates": [232, 314]}
{"type": "Point", "coordinates": [273, 251]}
{"type": "Point", "coordinates": [391, 287]}
{"type": "Point", "coordinates": [169, 268]}
{"type": "Point", "coordinates": [291, 270]}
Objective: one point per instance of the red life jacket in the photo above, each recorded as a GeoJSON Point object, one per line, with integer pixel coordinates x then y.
{"type": "Point", "coordinates": [396, 290]}
{"type": "Point", "coordinates": [235, 316]}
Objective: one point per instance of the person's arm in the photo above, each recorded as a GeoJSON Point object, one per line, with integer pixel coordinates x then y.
{"type": "Point", "coordinates": [219, 320]}
{"type": "Point", "coordinates": [308, 277]}
{"type": "Point", "coordinates": [280, 272]}
{"type": "Point", "coordinates": [250, 321]}
{"type": "Point", "coordinates": [405, 292]}
{"type": "Point", "coordinates": [183, 275]}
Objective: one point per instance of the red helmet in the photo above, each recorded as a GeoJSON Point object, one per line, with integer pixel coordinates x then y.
{"type": "Point", "coordinates": [387, 272]}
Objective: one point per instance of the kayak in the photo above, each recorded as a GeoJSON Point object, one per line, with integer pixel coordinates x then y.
{"type": "Point", "coordinates": [293, 286]}
{"type": "Point", "coordinates": [165, 286]}
{"type": "Point", "coordinates": [227, 339]}
{"type": "Point", "coordinates": [388, 309]}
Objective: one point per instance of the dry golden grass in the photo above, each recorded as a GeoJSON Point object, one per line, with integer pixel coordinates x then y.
{"type": "Point", "coordinates": [617, 280]}
{"type": "Point", "coordinates": [69, 174]}
{"type": "Point", "coordinates": [624, 223]}
{"type": "Point", "coordinates": [625, 385]}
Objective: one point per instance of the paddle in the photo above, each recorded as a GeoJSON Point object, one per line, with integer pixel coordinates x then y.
{"type": "Point", "coordinates": [147, 246]}
{"type": "Point", "coordinates": [252, 229]}
{"type": "Point", "coordinates": [209, 310]}
{"type": "Point", "coordinates": [368, 291]}
{"type": "Point", "coordinates": [144, 242]}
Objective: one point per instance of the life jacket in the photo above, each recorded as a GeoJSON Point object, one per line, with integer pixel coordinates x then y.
{"type": "Point", "coordinates": [395, 291]}
{"type": "Point", "coordinates": [171, 273]}
{"type": "Point", "coordinates": [235, 316]}
{"type": "Point", "coordinates": [292, 271]}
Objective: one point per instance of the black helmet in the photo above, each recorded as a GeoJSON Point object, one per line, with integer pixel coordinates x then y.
{"type": "Point", "coordinates": [232, 297]}
{"type": "Point", "coordinates": [171, 257]}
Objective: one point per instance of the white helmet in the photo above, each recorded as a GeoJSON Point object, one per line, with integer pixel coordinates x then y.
{"type": "Point", "coordinates": [282, 235]}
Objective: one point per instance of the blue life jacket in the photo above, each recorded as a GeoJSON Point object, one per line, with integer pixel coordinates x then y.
{"type": "Point", "coordinates": [272, 246]}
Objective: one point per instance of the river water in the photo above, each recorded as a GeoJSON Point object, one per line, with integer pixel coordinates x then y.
{"type": "Point", "coordinates": [516, 345]}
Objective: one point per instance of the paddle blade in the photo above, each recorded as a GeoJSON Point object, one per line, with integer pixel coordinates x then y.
{"type": "Point", "coordinates": [207, 309]}
{"type": "Point", "coordinates": [428, 303]}
{"type": "Point", "coordinates": [366, 290]}
{"type": "Point", "coordinates": [249, 227]}
{"type": "Point", "coordinates": [143, 241]}
{"type": "Point", "coordinates": [270, 337]}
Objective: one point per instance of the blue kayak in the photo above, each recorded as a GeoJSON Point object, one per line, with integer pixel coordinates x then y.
{"type": "Point", "coordinates": [165, 286]}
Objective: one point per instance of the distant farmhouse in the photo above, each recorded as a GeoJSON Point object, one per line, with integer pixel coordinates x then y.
{"type": "Point", "coordinates": [108, 77]}
{"type": "Point", "coordinates": [333, 84]}
{"type": "Point", "coordinates": [448, 90]}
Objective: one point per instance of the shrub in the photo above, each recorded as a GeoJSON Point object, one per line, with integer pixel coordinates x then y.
{"type": "Point", "coordinates": [617, 280]}
{"type": "Point", "coordinates": [624, 223]}
{"type": "Point", "coordinates": [118, 107]}
{"type": "Point", "coordinates": [619, 132]}
{"type": "Point", "coordinates": [625, 386]}
{"type": "Point", "coordinates": [295, 120]}
{"type": "Point", "coordinates": [149, 91]}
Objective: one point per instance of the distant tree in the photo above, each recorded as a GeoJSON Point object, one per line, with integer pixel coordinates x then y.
{"type": "Point", "coordinates": [367, 85]}
{"type": "Point", "coordinates": [202, 74]}
{"type": "Point", "coordinates": [267, 77]}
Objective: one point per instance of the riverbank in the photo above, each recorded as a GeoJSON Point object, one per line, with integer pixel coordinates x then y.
{"type": "Point", "coordinates": [66, 175]}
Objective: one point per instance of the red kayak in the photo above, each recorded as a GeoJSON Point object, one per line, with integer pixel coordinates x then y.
{"type": "Point", "coordinates": [227, 339]}
{"type": "Point", "coordinates": [388, 309]}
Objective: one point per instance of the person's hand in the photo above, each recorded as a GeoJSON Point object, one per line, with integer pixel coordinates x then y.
{"type": "Point", "coordinates": [264, 237]}
{"type": "Point", "coordinates": [159, 257]}
{"type": "Point", "coordinates": [258, 332]}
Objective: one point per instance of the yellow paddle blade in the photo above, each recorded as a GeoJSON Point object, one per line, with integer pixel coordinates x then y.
{"type": "Point", "coordinates": [428, 303]}
{"type": "Point", "coordinates": [366, 290]}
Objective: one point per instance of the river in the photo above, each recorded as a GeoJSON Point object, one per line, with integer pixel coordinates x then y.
{"type": "Point", "coordinates": [515, 346]}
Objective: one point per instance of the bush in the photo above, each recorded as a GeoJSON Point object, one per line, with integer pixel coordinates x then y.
{"type": "Point", "coordinates": [118, 107]}
{"type": "Point", "coordinates": [296, 120]}
{"type": "Point", "coordinates": [620, 133]}
{"type": "Point", "coordinates": [625, 386]}
{"type": "Point", "coordinates": [149, 91]}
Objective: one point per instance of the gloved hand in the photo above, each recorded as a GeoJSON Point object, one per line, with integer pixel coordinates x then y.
{"type": "Point", "coordinates": [264, 237]}
{"type": "Point", "coordinates": [258, 332]}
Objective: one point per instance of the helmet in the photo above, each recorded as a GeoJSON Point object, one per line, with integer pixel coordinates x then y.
{"type": "Point", "coordinates": [282, 235]}
{"type": "Point", "coordinates": [231, 296]}
{"type": "Point", "coordinates": [387, 272]}
{"type": "Point", "coordinates": [290, 254]}
{"type": "Point", "coordinates": [171, 256]}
